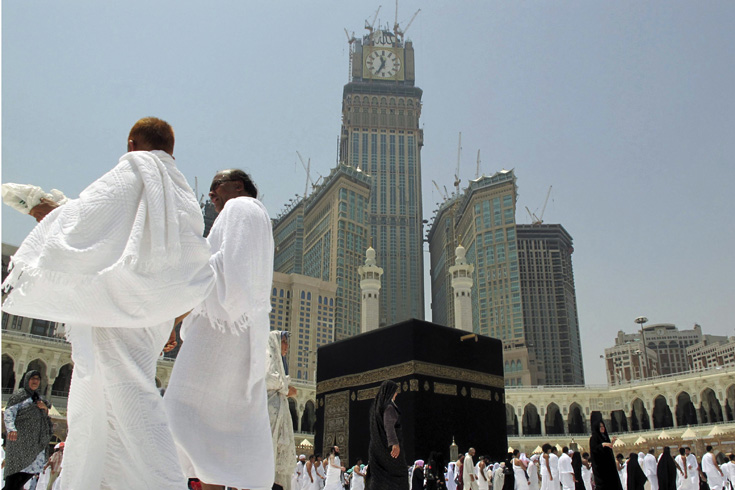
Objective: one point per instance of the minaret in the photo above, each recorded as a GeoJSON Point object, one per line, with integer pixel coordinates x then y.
{"type": "Point", "coordinates": [370, 275]}
{"type": "Point", "coordinates": [461, 273]}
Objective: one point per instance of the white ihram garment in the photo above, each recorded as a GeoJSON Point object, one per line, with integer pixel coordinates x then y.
{"type": "Point", "coordinates": [682, 483]}
{"type": "Point", "coordinates": [546, 482]}
{"type": "Point", "coordinates": [520, 483]}
{"type": "Point", "coordinates": [650, 470]}
{"type": "Point", "coordinates": [714, 479]}
{"type": "Point", "coordinates": [693, 468]}
{"type": "Point", "coordinates": [587, 477]}
{"type": "Point", "coordinates": [532, 471]}
{"type": "Point", "coordinates": [566, 472]}
{"type": "Point", "coordinates": [357, 482]}
{"type": "Point", "coordinates": [482, 483]}
{"type": "Point", "coordinates": [216, 399]}
{"type": "Point", "coordinates": [308, 483]}
{"type": "Point", "coordinates": [284, 450]}
{"type": "Point", "coordinates": [333, 476]}
{"type": "Point", "coordinates": [296, 474]}
{"type": "Point", "coordinates": [117, 265]}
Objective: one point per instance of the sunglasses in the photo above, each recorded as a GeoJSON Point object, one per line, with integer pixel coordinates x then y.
{"type": "Point", "coordinates": [217, 183]}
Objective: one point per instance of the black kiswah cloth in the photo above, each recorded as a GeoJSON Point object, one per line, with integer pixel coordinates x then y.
{"type": "Point", "coordinates": [384, 471]}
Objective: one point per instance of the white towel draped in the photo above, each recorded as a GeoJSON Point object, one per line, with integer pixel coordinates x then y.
{"type": "Point", "coordinates": [128, 252]}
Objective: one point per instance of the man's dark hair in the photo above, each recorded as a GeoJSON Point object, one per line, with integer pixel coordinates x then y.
{"type": "Point", "coordinates": [247, 181]}
{"type": "Point", "coordinates": [586, 455]}
{"type": "Point", "coordinates": [565, 449]}
{"type": "Point", "coordinates": [157, 133]}
{"type": "Point", "coordinates": [652, 451]}
{"type": "Point", "coordinates": [546, 447]}
{"type": "Point", "coordinates": [682, 451]}
{"type": "Point", "coordinates": [709, 448]}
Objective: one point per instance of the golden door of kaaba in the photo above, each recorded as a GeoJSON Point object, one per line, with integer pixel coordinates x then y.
{"type": "Point", "coordinates": [449, 388]}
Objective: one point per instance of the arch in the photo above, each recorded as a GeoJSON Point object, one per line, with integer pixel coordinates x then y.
{"type": "Point", "coordinates": [294, 415]}
{"type": "Point", "coordinates": [553, 420]}
{"type": "Point", "coordinates": [511, 421]}
{"type": "Point", "coordinates": [8, 370]}
{"type": "Point", "coordinates": [618, 421]}
{"type": "Point", "coordinates": [662, 416]}
{"type": "Point", "coordinates": [575, 420]}
{"type": "Point", "coordinates": [710, 410]}
{"type": "Point", "coordinates": [40, 366]}
{"type": "Point", "coordinates": [686, 413]}
{"type": "Point", "coordinates": [309, 418]}
{"type": "Point", "coordinates": [531, 420]}
{"type": "Point", "coordinates": [639, 416]}
{"type": "Point", "coordinates": [729, 402]}
{"type": "Point", "coordinates": [63, 381]}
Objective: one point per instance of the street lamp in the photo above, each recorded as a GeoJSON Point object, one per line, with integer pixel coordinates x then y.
{"type": "Point", "coordinates": [641, 320]}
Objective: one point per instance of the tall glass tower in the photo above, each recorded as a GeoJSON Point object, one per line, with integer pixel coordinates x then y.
{"type": "Point", "coordinates": [380, 135]}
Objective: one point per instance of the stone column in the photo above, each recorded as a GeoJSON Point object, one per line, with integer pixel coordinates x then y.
{"type": "Point", "coordinates": [520, 422]}
{"type": "Point", "coordinates": [542, 419]}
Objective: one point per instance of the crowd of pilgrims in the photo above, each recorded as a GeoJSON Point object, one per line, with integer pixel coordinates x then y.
{"type": "Point", "coordinates": [568, 470]}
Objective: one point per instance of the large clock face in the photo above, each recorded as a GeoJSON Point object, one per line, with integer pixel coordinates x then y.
{"type": "Point", "coordinates": [383, 63]}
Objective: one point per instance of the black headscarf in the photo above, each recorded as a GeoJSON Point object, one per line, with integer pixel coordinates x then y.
{"type": "Point", "coordinates": [604, 468]}
{"type": "Point", "coordinates": [34, 428]}
{"type": "Point", "coordinates": [384, 471]}
{"type": "Point", "coordinates": [666, 471]}
{"type": "Point", "coordinates": [636, 476]}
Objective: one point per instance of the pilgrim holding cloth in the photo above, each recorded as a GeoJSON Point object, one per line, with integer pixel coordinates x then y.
{"type": "Point", "coordinates": [29, 432]}
{"type": "Point", "coordinates": [277, 382]}
{"type": "Point", "coordinates": [387, 462]}
{"type": "Point", "coordinates": [216, 399]}
{"type": "Point", "coordinates": [604, 467]}
{"type": "Point", "coordinates": [117, 265]}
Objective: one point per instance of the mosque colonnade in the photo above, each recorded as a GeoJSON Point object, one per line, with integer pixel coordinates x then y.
{"type": "Point", "coordinates": [686, 399]}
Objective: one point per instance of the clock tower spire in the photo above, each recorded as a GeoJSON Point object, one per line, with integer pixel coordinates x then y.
{"type": "Point", "coordinates": [381, 107]}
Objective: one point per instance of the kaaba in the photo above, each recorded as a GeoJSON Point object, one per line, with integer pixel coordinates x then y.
{"type": "Point", "coordinates": [449, 389]}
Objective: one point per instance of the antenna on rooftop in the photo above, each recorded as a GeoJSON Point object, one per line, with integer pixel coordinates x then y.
{"type": "Point", "coordinates": [477, 172]}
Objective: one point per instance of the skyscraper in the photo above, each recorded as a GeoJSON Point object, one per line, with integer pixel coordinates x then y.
{"type": "Point", "coordinates": [381, 135]}
{"type": "Point", "coordinates": [325, 236]}
{"type": "Point", "coordinates": [549, 300]}
{"type": "Point", "coordinates": [305, 306]}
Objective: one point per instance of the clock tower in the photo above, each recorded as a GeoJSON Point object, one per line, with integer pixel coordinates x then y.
{"type": "Point", "coordinates": [380, 135]}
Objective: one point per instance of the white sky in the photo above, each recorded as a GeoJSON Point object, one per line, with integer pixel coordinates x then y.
{"type": "Point", "coordinates": [627, 108]}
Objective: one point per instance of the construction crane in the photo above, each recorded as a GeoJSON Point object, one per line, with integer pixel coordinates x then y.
{"type": "Point", "coordinates": [369, 25]}
{"type": "Point", "coordinates": [456, 174]}
{"type": "Point", "coordinates": [307, 167]}
{"type": "Point", "coordinates": [401, 33]}
{"type": "Point", "coordinates": [538, 220]}
{"type": "Point", "coordinates": [442, 194]}
{"type": "Point", "coordinates": [350, 39]}
{"type": "Point", "coordinates": [477, 172]}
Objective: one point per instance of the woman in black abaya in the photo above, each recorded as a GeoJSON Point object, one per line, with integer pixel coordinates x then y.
{"type": "Point", "coordinates": [636, 477]}
{"type": "Point", "coordinates": [604, 468]}
{"type": "Point", "coordinates": [666, 471]}
{"type": "Point", "coordinates": [387, 462]}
